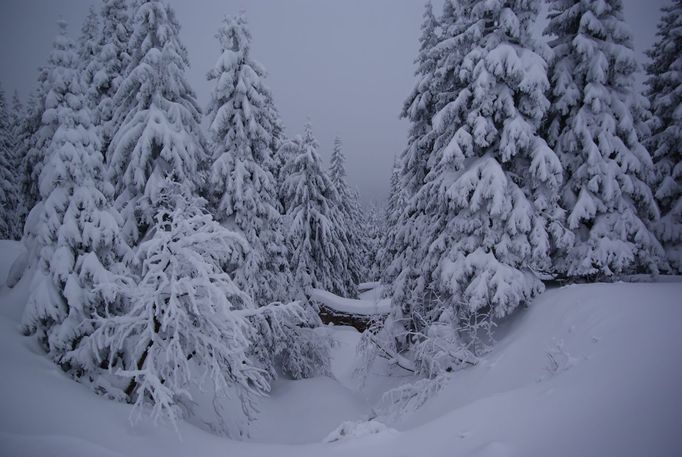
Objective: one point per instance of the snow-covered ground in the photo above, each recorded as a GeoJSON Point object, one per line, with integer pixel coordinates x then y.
{"type": "Point", "coordinates": [369, 303]}
{"type": "Point", "coordinates": [614, 389]}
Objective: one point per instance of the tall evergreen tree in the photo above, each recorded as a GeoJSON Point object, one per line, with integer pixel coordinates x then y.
{"type": "Point", "coordinates": [410, 167]}
{"type": "Point", "coordinates": [394, 206]}
{"type": "Point", "coordinates": [9, 191]}
{"type": "Point", "coordinates": [159, 137]}
{"type": "Point", "coordinates": [479, 227]}
{"type": "Point", "coordinates": [350, 207]}
{"type": "Point", "coordinates": [78, 232]}
{"type": "Point", "coordinates": [88, 45]}
{"type": "Point", "coordinates": [38, 130]}
{"type": "Point", "coordinates": [318, 246]}
{"type": "Point", "coordinates": [664, 90]}
{"type": "Point", "coordinates": [244, 192]}
{"type": "Point", "coordinates": [108, 66]}
{"type": "Point", "coordinates": [374, 227]}
{"type": "Point", "coordinates": [420, 107]}
{"type": "Point", "coordinates": [593, 127]}
{"type": "Point", "coordinates": [18, 129]}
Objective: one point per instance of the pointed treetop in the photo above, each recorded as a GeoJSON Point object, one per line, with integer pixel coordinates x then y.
{"type": "Point", "coordinates": [337, 168]}
{"type": "Point", "coordinates": [234, 34]}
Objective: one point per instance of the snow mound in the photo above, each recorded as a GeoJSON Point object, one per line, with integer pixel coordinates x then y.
{"type": "Point", "coordinates": [350, 305]}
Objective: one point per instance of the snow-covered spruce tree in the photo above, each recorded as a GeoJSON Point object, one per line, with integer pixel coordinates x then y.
{"type": "Point", "coordinates": [664, 90]}
{"type": "Point", "coordinates": [440, 54]}
{"type": "Point", "coordinates": [9, 191]}
{"type": "Point", "coordinates": [18, 129]}
{"type": "Point", "coordinates": [592, 129]}
{"type": "Point", "coordinates": [420, 107]}
{"type": "Point", "coordinates": [409, 168]}
{"type": "Point", "coordinates": [318, 245]}
{"type": "Point", "coordinates": [374, 227]}
{"type": "Point", "coordinates": [88, 47]}
{"type": "Point", "coordinates": [159, 136]}
{"type": "Point", "coordinates": [109, 64]}
{"type": "Point", "coordinates": [394, 206]}
{"type": "Point", "coordinates": [347, 201]}
{"type": "Point", "coordinates": [77, 235]}
{"type": "Point", "coordinates": [278, 138]}
{"type": "Point", "coordinates": [242, 188]}
{"type": "Point", "coordinates": [38, 131]}
{"type": "Point", "coordinates": [28, 122]}
{"type": "Point", "coordinates": [480, 225]}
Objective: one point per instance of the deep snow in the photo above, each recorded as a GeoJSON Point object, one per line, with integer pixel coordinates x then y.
{"type": "Point", "coordinates": [616, 391]}
{"type": "Point", "coordinates": [370, 303]}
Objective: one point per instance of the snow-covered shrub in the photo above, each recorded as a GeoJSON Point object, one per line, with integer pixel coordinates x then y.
{"type": "Point", "coordinates": [558, 358]}
{"type": "Point", "coordinates": [183, 327]}
{"type": "Point", "coordinates": [287, 341]}
{"type": "Point", "coordinates": [357, 429]}
{"type": "Point", "coordinates": [408, 398]}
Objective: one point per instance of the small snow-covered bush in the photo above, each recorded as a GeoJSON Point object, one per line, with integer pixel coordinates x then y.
{"type": "Point", "coordinates": [182, 327]}
{"type": "Point", "coordinates": [357, 429]}
{"type": "Point", "coordinates": [287, 342]}
{"type": "Point", "coordinates": [558, 358]}
{"type": "Point", "coordinates": [409, 397]}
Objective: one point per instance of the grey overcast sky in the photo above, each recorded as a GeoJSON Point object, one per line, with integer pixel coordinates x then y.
{"type": "Point", "coordinates": [345, 63]}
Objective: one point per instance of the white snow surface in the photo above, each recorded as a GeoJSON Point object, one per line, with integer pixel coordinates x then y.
{"type": "Point", "coordinates": [616, 391]}
{"type": "Point", "coordinates": [370, 302]}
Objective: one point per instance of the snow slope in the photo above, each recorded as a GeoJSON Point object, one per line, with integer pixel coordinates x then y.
{"type": "Point", "coordinates": [616, 392]}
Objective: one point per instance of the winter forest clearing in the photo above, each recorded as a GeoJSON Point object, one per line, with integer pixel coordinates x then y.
{"type": "Point", "coordinates": [189, 279]}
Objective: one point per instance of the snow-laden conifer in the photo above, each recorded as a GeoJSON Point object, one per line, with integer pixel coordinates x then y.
{"type": "Point", "coordinates": [159, 137]}
{"type": "Point", "coordinates": [480, 226]}
{"type": "Point", "coordinates": [38, 130]}
{"type": "Point", "coordinates": [108, 66]}
{"type": "Point", "coordinates": [242, 131]}
{"type": "Point", "coordinates": [593, 128]}
{"type": "Point", "coordinates": [410, 167]}
{"type": "Point", "coordinates": [89, 43]}
{"type": "Point", "coordinates": [347, 200]}
{"type": "Point", "coordinates": [9, 190]}
{"type": "Point", "coordinates": [664, 90]}
{"type": "Point", "coordinates": [77, 232]}
{"type": "Point", "coordinates": [420, 107]}
{"type": "Point", "coordinates": [374, 228]}
{"type": "Point", "coordinates": [318, 245]}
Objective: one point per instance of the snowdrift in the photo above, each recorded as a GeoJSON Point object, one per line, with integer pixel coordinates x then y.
{"type": "Point", "coordinates": [587, 370]}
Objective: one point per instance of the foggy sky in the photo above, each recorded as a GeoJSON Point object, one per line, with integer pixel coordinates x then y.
{"type": "Point", "coordinates": [345, 63]}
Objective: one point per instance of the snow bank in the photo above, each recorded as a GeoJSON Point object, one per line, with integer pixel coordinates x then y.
{"type": "Point", "coordinates": [350, 305]}
{"type": "Point", "coordinates": [616, 393]}
{"type": "Point", "coordinates": [363, 286]}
